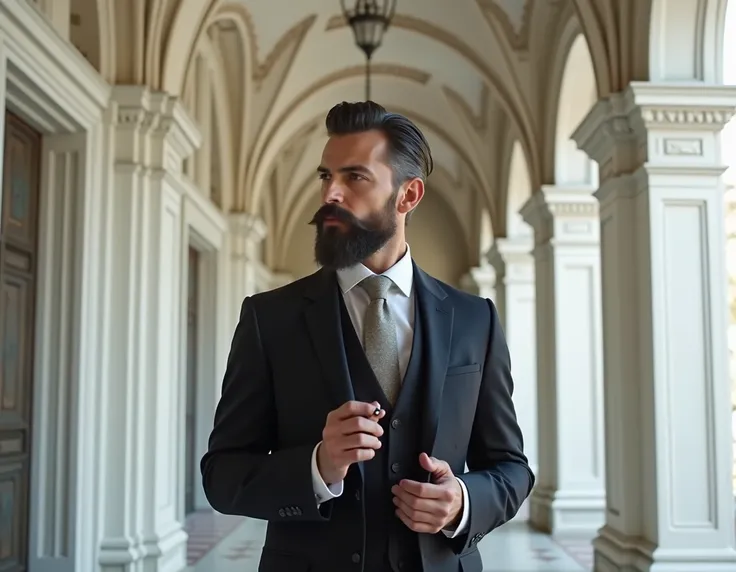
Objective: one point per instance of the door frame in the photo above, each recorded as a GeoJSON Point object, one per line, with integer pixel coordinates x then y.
{"type": "Point", "coordinates": [205, 229]}
{"type": "Point", "coordinates": [50, 86]}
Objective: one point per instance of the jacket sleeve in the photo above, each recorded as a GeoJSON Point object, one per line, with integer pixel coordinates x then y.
{"type": "Point", "coordinates": [242, 474]}
{"type": "Point", "coordinates": [499, 477]}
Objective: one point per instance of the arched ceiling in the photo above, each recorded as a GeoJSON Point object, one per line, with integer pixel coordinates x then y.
{"type": "Point", "coordinates": [447, 65]}
{"type": "Point", "coordinates": [477, 75]}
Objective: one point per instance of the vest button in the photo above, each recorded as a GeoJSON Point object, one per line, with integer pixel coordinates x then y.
{"type": "Point", "coordinates": [396, 467]}
{"type": "Point", "coordinates": [395, 423]}
{"type": "Point", "coordinates": [356, 558]}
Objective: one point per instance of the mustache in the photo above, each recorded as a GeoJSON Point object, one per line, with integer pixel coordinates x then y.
{"type": "Point", "coordinates": [333, 211]}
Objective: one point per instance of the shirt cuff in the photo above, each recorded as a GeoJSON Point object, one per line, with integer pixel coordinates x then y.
{"type": "Point", "coordinates": [464, 518]}
{"type": "Point", "coordinates": [322, 491]}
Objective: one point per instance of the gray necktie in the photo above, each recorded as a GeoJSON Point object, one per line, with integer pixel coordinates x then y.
{"type": "Point", "coordinates": [379, 337]}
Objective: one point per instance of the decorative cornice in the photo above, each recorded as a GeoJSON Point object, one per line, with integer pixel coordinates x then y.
{"type": "Point", "coordinates": [562, 213]}
{"type": "Point", "coordinates": [248, 227]}
{"type": "Point", "coordinates": [155, 114]}
{"type": "Point", "coordinates": [511, 251]}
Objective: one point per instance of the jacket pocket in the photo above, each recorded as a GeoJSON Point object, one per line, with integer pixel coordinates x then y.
{"type": "Point", "coordinates": [461, 369]}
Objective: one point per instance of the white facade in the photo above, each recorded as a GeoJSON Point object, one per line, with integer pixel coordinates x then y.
{"type": "Point", "coordinates": [578, 184]}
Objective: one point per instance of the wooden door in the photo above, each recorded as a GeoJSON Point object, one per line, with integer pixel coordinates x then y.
{"type": "Point", "coordinates": [18, 261]}
{"type": "Point", "coordinates": [190, 462]}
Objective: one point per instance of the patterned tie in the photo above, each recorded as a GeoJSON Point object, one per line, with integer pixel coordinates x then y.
{"type": "Point", "coordinates": [379, 337]}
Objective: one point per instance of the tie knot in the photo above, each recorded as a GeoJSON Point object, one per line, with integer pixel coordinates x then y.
{"type": "Point", "coordinates": [376, 286]}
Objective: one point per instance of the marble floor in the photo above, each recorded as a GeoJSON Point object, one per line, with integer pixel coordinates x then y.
{"type": "Point", "coordinates": [220, 543]}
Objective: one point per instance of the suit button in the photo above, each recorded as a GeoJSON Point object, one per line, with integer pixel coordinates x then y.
{"type": "Point", "coordinates": [356, 558]}
{"type": "Point", "coordinates": [357, 494]}
{"type": "Point", "coordinates": [282, 513]}
{"type": "Point", "coordinates": [288, 510]}
{"type": "Point", "coordinates": [297, 511]}
{"type": "Point", "coordinates": [395, 423]}
{"type": "Point", "coordinates": [396, 467]}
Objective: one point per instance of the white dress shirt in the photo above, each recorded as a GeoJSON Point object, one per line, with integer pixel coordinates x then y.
{"type": "Point", "coordinates": [401, 303]}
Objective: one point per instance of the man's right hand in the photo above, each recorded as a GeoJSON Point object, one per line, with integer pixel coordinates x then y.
{"type": "Point", "coordinates": [351, 434]}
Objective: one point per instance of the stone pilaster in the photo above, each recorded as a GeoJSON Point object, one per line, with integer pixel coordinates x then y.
{"type": "Point", "coordinates": [141, 477]}
{"type": "Point", "coordinates": [247, 232]}
{"type": "Point", "coordinates": [481, 281]}
{"type": "Point", "coordinates": [514, 267]}
{"type": "Point", "coordinates": [667, 390]}
{"type": "Point", "coordinates": [570, 492]}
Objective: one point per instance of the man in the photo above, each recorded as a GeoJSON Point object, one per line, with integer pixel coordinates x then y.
{"type": "Point", "coordinates": [354, 397]}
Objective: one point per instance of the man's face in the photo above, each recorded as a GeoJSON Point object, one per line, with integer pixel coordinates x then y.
{"type": "Point", "coordinates": [358, 216]}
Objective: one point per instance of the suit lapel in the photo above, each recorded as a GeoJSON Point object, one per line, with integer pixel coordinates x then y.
{"type": "Point", "coordinates": [437, 315]}
{"type": "Point", "coordinates": [323, 321]}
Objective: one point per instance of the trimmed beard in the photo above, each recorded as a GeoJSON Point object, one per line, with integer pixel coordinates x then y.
{"type": "Point", "coordinates": [337, 247]}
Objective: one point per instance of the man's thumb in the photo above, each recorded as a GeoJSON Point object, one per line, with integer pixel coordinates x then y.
{"type": "Point", "coordinates": [430, 463]}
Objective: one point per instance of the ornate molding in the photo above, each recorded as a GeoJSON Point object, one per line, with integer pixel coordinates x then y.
{"type": "Point", "coordinates": [512, 257]}
{"type": "Point", "coordinates": [517, 38]}
{"type": "Point", "coordinates": [562, 213]}
{"type": "Point", "coordinates": [145, 113]}
{"type": "Point", "coordinates": [247, 227]}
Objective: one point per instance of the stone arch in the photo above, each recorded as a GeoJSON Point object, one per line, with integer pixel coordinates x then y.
{"type": "Point", "coordinates": [685, 40]}
{"type": "Point", "coordinates": [191, 20]}
{"type": "Point", "coordinates": [221, 82]}
{"type": "Point", "coordinates": [572, 72]}
{"type": "Point", "coordinates": [92, 32]}
{"type": "Point", "coordinates": [577, 97]}
{"type": "Point", "coordinates": [519, 189]}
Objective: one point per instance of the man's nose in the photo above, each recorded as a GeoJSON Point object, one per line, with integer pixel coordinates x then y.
{"type": "Point", "coordinates": [333, 193]}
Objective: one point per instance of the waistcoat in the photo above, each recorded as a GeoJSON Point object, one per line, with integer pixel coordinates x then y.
{"type": "Point", "coordinates": [389, 544]}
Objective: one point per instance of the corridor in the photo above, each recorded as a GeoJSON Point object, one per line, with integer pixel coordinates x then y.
{"type": "Point", "coordinates": [160, 164]}
{"type": "Point", "coordinates": [219, 543]}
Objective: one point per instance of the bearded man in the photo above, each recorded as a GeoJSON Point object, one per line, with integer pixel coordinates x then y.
{"type": "Point", "coordinates": [354, 398]}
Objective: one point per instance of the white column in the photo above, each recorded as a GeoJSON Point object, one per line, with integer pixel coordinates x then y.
{"type": "Point", "coordinates": [569, 495]}
{"type": "Point", "coordinates": [247, 232]}
{"type": "Point", "coordinates": [141, 488]}
{"type": "Point", "coordinates": [667, 395]}
{"type": "Point", "coordinates": [514, 269]}
{"type": "Point", "coordinates": [480, 280]}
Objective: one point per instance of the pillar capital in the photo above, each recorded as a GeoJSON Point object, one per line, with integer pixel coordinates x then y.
{"type": "Point", "coordinates": [663, 126]}
{"type": "Point", "coordinates": [512, 259]}
{"type": "Point", "coordinates": [565, 214]}
{"type": "Point", "coordinates": [153, 128]}
{"type": "Point", "coordinates": [480, 280]}
{"type": "Point", "coordinates": [247, 227]}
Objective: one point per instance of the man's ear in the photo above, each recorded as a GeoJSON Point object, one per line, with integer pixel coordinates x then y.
{"type": "Point", "coordinates": [413, 193]}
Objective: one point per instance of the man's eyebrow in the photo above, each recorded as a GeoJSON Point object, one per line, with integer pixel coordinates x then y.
{"type": "Point", "coordinates": [347, 169]}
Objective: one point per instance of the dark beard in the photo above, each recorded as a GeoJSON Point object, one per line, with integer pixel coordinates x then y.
{"type": "Point", "coordinates": [341, 247]}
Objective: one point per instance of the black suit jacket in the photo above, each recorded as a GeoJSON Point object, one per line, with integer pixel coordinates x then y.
{"type": "Point", "coordinates": [287, 370]}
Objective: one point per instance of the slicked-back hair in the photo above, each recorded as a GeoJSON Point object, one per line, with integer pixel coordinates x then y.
{"type": "Point", "coordinates": [409, 152]}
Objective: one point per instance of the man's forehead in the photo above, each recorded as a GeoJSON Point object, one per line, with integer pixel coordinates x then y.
{"type": "Point", "coordinates": [355, 148]}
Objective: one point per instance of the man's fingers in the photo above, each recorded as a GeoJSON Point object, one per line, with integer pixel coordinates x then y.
{"type": "Point", "coordinates": [357, 455]}
{"type": "Point", "coordinates": [355, 408]}
{"type": "Point", "coordinates": [422, 490]}
{"type": "Point", "coordinates": [360, 425]}
{"type": "Point", "coordinates": [421, 526]}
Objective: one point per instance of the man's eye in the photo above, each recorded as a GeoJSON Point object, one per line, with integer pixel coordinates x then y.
{"type": "Point", "coordinates": [324, 176]}
{"type": "Point", "coordinates": [356, 177]}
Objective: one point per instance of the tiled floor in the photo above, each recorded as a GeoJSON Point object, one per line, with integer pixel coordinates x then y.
{"type": "Point", "coordinates": [226, 544]}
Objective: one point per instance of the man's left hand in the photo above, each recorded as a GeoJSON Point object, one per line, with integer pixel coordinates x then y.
{"type": "Point", "coordinates": [429, 507]}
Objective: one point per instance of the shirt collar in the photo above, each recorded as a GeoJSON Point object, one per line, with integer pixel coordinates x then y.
{"type": "Point", "coordinates": [401, 274]}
